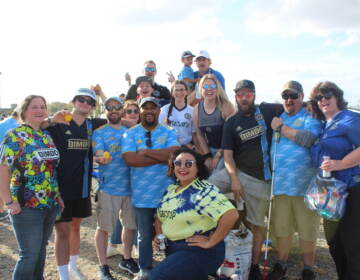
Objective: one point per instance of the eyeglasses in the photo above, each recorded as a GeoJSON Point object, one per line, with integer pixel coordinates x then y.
{"type": "Point", "coordinates": [83, 99]}
{"type": "Point", "coordinates": [180, 89]}
{"type": "Point", "coordinates": [212, 86]}
{"type": "Point", "coordinates": [246, 95]}
{"type": "Point", "coordinates": [292, 96]}
{"type": "Point", "coordinates": [117, 107]}
{"type": "Point", "coordinates": [148, 139]}
{"type": "Point", "coordinates": [130, 111]}
{"type": "Point", "coordinates": [326, 95]}
{"type": "Point", "coordinates": [148, 69]}
{"type": "Point", "coordinates": [186, 163]}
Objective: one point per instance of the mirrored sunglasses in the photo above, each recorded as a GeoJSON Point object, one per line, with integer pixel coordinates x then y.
{"type": "Point", "coordinates": [212, 86]}
{"type": "Point", "coordinates": [148, 69]}
{"type": "Point", "coordinates": [186, 163]}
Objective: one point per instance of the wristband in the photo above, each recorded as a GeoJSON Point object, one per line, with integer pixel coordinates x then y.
{"type": "Point", "coordinates": [9, 203]}
{"type": "Point", "coordinates": [49, 121]}
{"type": "Point", "coordinates": [208, 155]}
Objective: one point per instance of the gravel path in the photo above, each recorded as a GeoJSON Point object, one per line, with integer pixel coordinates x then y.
{"type": "Point", "coordinates": [88, 261]}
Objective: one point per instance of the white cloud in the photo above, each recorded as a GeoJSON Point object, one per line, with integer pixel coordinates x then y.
{"type": "Point", "coordinates": [294, 17]}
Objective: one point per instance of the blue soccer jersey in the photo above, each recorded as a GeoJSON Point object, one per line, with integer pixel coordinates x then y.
{"type": "Point", "coordinates": [293, 167]}
{"type": "Point", "coordinates": [149, 183]}
{"type": "Point", "coordinates": [114, 177]}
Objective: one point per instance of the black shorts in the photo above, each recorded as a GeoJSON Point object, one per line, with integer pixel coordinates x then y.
{"type": "Point", "coordinates": [78, 208]}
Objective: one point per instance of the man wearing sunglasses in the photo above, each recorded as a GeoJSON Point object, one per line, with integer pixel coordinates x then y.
{"type": "Point", "coordinates": [160, 92]}
{"type": "Point", "coordinates": [114, 189]}
{"type": "Point", "coordinates": [246, 140]}
{"type": "Point", "coordinates": [146, 149]}
{"type": "Point", "coordinates": [73, 140]}
{"type": "Point", "coordinates": [293, 173]}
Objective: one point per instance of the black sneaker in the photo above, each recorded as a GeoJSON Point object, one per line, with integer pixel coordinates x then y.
{"type": "Point", "coordinates": [307, 274]}
{"type": "Point", "coordinates": [277, 273]}
{"type": "Point", "coordinates": [129, 265]}
{"type": "Point", "coordinates": [105, 274]}
{"type": "Point", "coordinates": [255, 273]}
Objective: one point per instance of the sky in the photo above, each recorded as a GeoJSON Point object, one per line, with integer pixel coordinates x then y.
{"type": "Point", "coordinates": [52, 48]}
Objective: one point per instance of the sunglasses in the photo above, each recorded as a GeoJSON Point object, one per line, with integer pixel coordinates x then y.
{"type": "Point", "coordinates": [326, 95]}
{"type": "Point", "coordinates": [148, 69]}
{"type": "Point", "coordinates": [148, 139]}
{"type": "Point", "coordinates": [130, 111]}
{"type": "Point", "coordinates": [292, 96]}
{"type": "Point", "coordinates": [89, 101]}
{"type": "Point", "coordinates": [186, 163]}
{"type": "Point", "coordinates": [117, 107]}
{"type": "Point", "coordinates": [212, 86]}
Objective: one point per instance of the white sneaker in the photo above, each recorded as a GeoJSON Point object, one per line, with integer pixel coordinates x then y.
{"type": "Point", "coordinates": [112, 251]}
{"type": "Point", "coordinates": [76, 274]}
{"type": "Point", "coordinates": [142, 275]}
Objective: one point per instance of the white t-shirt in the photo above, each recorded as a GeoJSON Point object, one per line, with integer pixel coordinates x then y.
{"type": "Point", "coordinates": [181, 121]}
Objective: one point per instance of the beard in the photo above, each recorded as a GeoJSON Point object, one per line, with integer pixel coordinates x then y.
{"type": "Point", "coordinates": [114, 118]}
{"type": "Point", "coordinates": [246, 107]}
{"type": "Point", "coordinates": [149, 123]}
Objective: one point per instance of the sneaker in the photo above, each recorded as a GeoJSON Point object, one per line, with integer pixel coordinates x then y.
{"type": "Point", "coordinates": [254, 272]}
{"type": "Point", "coordinates": [111, 251]}
{"type": "Point", "coordinates": [307, 274]}
{"type": "Point", "coordinates": [76, 274]}
{"type": "Point", "coordinates": [130, 266]}
{"type": "Point", "coordinates": [143, 275]}
{"type": "Point", "coordinates": [104, 273]}
{"type": "Point", "coordinates": [277, 273]}
{"type": "Point", "coordinates": [4, 215]}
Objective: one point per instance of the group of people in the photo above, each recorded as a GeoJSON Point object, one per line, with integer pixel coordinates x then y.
{"type": "Point", "coordinates": [166, 160]}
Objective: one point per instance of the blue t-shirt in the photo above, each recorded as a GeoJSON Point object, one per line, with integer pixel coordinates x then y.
{"type": "Point", "coordinates": [293, 168]}
{"type": "Point", "coordinates": [6, 125]}
{"type": "Point", "coordinates": [114, 177]}
{"type": "Point", "coordinates": [187, 73]}
{"type": "Point", "coordinates": [149, 183]}
{"type": "Point", "coordinates": [340, 137]}
{"type": "Point", "coordinates": [217, 74]}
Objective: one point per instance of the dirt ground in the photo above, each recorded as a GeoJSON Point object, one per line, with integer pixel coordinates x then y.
{"type": "Point", "coordinates": [88, 261]}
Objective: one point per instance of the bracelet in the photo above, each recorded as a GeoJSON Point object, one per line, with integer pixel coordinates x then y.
{"type": "Point", "coordinates": [9, 203]}
{"type": "Point", "coordinates": [208, 155]}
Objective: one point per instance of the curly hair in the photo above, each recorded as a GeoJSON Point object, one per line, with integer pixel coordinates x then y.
{"type": "Point", "coordinates": [203, 171]}
{"type": "Point", "coordinates": [325, 87]}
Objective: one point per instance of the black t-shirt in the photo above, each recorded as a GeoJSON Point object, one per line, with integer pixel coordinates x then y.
{"type": "Point", "coordinates": [73, 143]}
{"type": "Point", "coordinates": [249, 137]}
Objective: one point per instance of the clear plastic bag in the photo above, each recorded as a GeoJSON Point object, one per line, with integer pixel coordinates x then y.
{"type": "Point", "coordinates": [327, 197]}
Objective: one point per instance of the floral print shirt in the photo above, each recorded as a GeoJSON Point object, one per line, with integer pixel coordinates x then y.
{"type": "Point", "coordinates": [32, 158]}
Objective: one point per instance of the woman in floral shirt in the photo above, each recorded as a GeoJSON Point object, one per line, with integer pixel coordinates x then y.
{"type": "Point", "coordinates": [29, 188]}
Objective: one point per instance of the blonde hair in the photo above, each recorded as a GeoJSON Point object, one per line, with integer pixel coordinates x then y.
{"type": "Point", "coordinates": [221, 98]}
{"type": "Point", "coordinates": [130, 102]}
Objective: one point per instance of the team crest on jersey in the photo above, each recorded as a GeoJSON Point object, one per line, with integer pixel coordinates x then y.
{"type": "Point", "coordinates": [161, 139]}
{"type": "Point", "coordinates": [259, 117]}
{"type": "Point", "coordinates": [238, 128]}
{"type": "Point", "coordinates": [208, 129]}
{"type": "Point", "coordinates": [139, 141]}
{"type": "Point", "coordinates": [111, 138]}
{"type": "Point", "coordinates": [68, 132]}
{"type": "Point", "coordinates": [187, 116]}
{"type": "Point", "coordinates": [298, 123]}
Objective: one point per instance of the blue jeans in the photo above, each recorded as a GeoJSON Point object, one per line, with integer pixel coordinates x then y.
{"type": "Point", "coordinates": [145, 221]}
{"type": "Point", "coordinates": [33, 228]}
{"type": "Point", "coordinates": [190, 263]}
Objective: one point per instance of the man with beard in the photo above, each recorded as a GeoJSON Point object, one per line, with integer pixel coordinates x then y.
{"type": "Point", "coordinates": [114, 189]}
{"type": "Point", "coordinates": [146, 149]}
{"type": "Point", "coordinates": [246, 139]}
{"type": "Point", "coordinates": [294, 172]}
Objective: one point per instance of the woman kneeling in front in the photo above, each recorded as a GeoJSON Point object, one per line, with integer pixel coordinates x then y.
{"type": "Point", "coordinates": [195, 218]}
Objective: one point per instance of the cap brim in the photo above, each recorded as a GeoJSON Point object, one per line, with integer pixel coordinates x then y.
{"type": "Point", "coordinates": [292, 90]}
